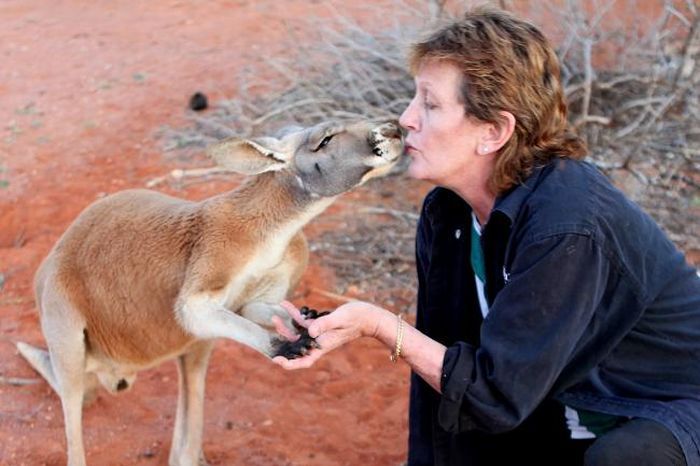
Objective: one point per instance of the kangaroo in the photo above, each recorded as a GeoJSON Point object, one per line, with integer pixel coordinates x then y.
{"type": "Point", "coordinates": [141, 277]}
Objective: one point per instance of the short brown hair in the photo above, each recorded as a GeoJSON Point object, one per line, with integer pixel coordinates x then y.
{"type": "Point", "coordinates": [507, 65]}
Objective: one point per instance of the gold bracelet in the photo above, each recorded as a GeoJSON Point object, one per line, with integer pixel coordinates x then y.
{"type": "Point", "coordinates": [399, 339]}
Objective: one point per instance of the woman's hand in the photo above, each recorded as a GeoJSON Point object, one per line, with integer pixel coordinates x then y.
{"type": "Point", "coordinates": [282, 328]}
{"type": "Point", "coordinates": [348, 322]}
{"type": "Point", "coordinates": [357, 319]}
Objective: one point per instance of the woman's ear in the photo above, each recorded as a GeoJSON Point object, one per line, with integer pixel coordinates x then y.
{"type": "Point", "coordinates": [497, 134]}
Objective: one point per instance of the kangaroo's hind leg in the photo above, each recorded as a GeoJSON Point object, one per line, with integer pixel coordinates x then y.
{"type": "Point", "coordinates": [40, 360]}
{"type": "Point", "coordinates": [186, 448]}
{"type": "Point", "coordinates": [64, 365]}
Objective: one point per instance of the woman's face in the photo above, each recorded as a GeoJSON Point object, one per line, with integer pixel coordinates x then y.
{"type": "Point", "coordinates": [442, 141]}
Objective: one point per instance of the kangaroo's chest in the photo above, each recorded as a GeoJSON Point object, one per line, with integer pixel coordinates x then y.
{"type": "Point", "coordinates": [266, 278]}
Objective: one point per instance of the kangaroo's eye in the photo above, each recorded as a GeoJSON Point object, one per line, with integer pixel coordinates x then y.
{"type": "Point", "coordinates": [324, 142]}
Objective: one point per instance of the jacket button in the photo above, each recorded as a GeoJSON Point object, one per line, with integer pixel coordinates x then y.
{"type": "Point", "coordinates": [458, 233]}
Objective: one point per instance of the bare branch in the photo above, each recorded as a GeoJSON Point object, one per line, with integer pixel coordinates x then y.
{"type": "Point", "coordinates": [18, 381]}
{"type": "Point", "coordinates": [686, 51]}
{"type": "Point", "coordinates": [334, 296]}
{"type": "Point", "coordinates": [293, 106]}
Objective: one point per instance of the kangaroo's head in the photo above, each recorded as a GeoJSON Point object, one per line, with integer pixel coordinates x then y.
{"type": "Point", "coordinates": [326, 160]}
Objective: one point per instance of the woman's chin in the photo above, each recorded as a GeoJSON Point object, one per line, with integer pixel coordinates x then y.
{"type": "Point", "coordinates": [416, 171]}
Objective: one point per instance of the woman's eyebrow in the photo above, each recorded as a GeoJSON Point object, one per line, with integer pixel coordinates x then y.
{"type": "Point", "coordinates": [424, 84]}
{"type": "Point", "coordinates": [425, 88]}
{"type": "Point", "coordinates": [428, 92]}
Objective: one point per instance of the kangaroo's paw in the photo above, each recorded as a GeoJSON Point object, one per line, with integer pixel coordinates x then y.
{"type": "Point", "coordinates": [295, 349]}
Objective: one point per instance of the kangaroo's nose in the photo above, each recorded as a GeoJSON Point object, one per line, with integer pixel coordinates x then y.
{"type": "Point", "coordinates": [390, 130]}
{"type": "Point", "coordinates": [381, 133]}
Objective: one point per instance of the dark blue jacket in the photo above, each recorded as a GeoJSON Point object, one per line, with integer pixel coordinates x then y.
{"type": "Point", "coordinates": [590, 304]}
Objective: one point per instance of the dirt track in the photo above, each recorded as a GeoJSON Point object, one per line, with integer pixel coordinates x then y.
{"type": "Point", "coordinates": [84, 88]}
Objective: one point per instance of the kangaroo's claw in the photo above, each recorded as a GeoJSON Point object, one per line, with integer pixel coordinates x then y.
{"type": "Point", "coordinates": [295, 349]}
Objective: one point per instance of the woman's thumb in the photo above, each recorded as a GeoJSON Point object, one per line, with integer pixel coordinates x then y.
{"type": "Point", "coordinates": [320, 326]}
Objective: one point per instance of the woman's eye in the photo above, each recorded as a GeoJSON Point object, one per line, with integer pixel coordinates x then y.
{"type": "Point", "coordinates": [429, 105]}
{"type": "Point", "coordinates": [324, 142]}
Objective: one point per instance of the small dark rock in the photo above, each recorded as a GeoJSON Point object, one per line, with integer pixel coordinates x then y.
{"type": "Point", "coordinates": [198, 102]}
{"type": "Point", "coordinates": [147, 454]}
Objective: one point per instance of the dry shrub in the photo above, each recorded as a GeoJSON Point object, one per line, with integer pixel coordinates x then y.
{"type": "Point", "coordinates": [631, 79]}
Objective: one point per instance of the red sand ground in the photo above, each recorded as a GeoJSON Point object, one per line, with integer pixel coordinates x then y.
{"type": "Point", "coordinates": [85, 85]}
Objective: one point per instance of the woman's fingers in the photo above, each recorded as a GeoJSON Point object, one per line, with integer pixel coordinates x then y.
{"type": "Point", "coordinates": [321, 325]}
{"type": "Point", "coordinates": [294, 313]}
{"type": "Point", "coordinates": [282, 329]}
{"type": "Point", "coordinates": [341, 321]}
{"type": "Point", "coordinates": [299, 363]}
{"type": "Point", "coordinates": [330, 331]}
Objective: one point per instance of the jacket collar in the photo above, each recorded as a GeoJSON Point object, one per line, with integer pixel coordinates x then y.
{"type": "Point", "coordinates": [510, 202]}
{"type": "Point", "coordinates": [444, 203]}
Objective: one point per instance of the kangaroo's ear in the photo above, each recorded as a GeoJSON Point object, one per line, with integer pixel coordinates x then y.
{"type": "Point", "coordinates": [249, 156]}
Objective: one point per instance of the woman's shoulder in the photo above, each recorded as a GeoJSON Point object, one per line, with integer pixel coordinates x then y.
{"type": "Point", "coordinates": [571, 195]}
{"type": "Point", "coordinates": [575, 176]}
{"type": "Point", "coordinates": [575, 196]}
{"type": "Point", "coordinates": [564, 180]}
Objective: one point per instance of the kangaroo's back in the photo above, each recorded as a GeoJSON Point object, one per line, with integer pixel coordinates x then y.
{"type": "Point", "coordinates": [122, 264]}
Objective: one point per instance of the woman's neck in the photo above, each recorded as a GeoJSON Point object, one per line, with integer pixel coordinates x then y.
{"type": "Point", "coordinates": [475, 191]}
{"type": "Point", "coordinates": [481, 201]}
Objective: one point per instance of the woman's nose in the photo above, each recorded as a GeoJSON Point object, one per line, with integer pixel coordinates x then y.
{"type": "Point", "coordinates": [408, 119]}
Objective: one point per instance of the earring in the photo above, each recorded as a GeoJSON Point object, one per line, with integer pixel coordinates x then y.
{"type": "Point", "coordinates": [484, 149]}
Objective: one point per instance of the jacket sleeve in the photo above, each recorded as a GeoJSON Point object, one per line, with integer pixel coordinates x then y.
{"type": "Point", "coordinates": [420, 437]}
{"type": "Point", "coordinates": [528, 337]}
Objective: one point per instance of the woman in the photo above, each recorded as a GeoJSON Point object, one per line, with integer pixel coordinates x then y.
{"type": "Point", "coordinates": [556, 323]}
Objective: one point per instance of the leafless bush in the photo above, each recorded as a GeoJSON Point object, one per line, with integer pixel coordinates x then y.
{"type": "Point", "coordinates": [631, 79]}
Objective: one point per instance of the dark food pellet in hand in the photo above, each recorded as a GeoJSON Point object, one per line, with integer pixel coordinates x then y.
{"type": "Point", "coordinates": [309, 313]}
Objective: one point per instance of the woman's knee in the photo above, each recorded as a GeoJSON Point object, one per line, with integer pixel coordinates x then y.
{"type": "Point", "coordinates": [640, 442]}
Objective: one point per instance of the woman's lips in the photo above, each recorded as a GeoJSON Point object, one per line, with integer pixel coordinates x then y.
{"type": "Point", "coordinates": [408, 148]}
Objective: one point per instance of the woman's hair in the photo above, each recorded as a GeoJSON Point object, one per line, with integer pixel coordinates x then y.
{"type": "Point", "coordinates": [507, 65]}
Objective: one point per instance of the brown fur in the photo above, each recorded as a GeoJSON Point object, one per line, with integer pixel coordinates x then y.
{"type": "Point", "coordinates": [141, 277]}
{"type": "Point", "coordinates": [157, 246]}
